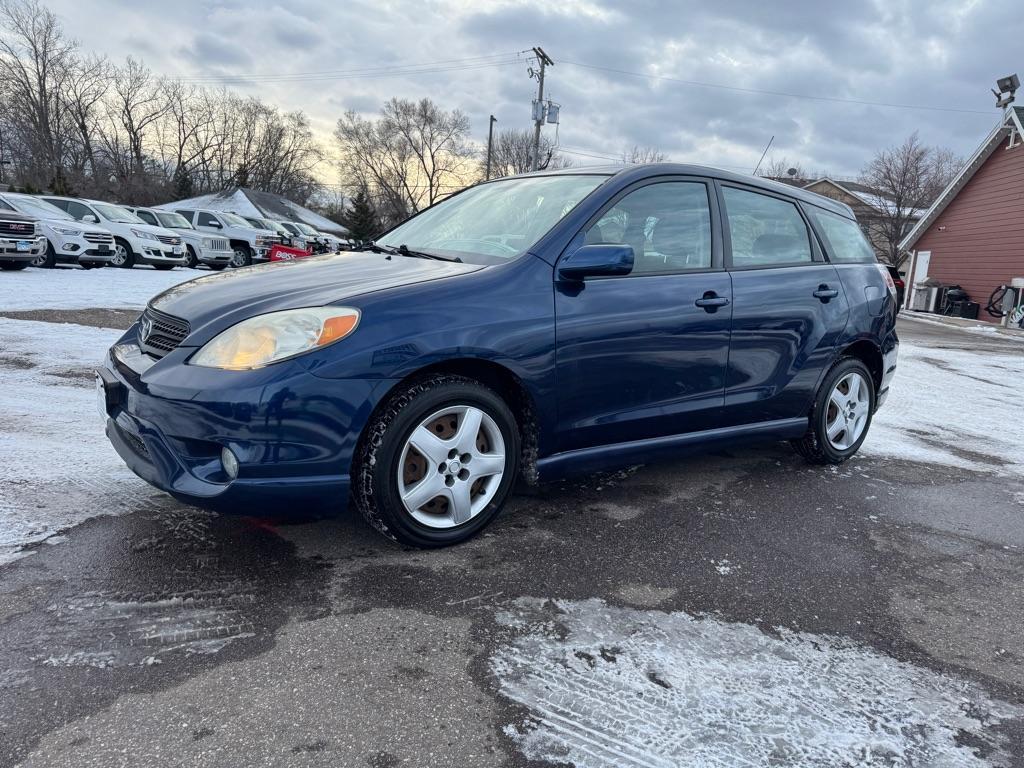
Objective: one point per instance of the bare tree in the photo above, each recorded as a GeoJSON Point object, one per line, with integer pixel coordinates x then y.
{"type": "Point", "coordinates": [781, 168]}
{"type": "Point", "coordinates": [410, 157]}
{"type": "Point", "coordinates": [907, 179]}
{"type": "Point", "coordinates": [638, 155]}
{"type": "Point", "coordinates": [512, 153]}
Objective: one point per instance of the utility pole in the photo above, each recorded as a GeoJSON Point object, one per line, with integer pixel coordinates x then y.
{"type": "Point", "coordinates": [538, 108]}
{"type": "Point", "coordinates": [490, 143]}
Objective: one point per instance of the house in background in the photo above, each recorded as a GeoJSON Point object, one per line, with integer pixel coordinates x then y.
{"type": "Point", "coordinates": [870, 206]}
{"type": "Point", "coordinates": [251, 202]}
{"type": "Point", "coordinates": [973, 234]}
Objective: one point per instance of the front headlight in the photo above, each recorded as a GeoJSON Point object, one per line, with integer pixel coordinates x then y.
{"type": "Point", "coordinates": [68, 231]}
{"type": "Point", "coordinates": [266, 339]}
{"type": "Point", "coordinates": [145, 235]}
{"type": "Point", "coordinates": [208, 243]}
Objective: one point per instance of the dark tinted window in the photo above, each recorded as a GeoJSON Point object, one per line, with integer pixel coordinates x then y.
{"type": "Point", "coordinates": [147, 217]}
{"type": "Point", "coordinates": [765, 231]}
{"type": "Point", "coordinates": [190, 215]}
{"type": "Point", "coordinates": [78, 210]}
{"type": "Point", "coordinates": [668, 225]}
{"type": "Point", "coordinates": [62, 204]}
{"type": "Point", "coordinates": [207, 220]}
{"type": "Point", "coordinates": [843, 238]}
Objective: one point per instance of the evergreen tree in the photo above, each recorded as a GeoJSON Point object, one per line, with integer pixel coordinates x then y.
{"type": "Point", "coordinates": [361, 219]}
{"type": "Point", "coordinates": [182, 183]}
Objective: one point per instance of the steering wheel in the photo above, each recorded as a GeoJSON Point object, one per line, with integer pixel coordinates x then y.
{"type": "Point", "coordinates": [473, 244]}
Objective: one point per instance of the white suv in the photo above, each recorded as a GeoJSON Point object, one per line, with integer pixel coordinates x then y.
{"type": "Point", "coordinates": [67, 241]}
{"type": "Point", "coordinates": [200, 248]}
{"type": "Point", "coordinates": [135, 242]}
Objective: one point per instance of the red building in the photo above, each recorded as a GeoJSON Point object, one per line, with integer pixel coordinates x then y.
{"type": "Point", "coordinates": [973, 235]}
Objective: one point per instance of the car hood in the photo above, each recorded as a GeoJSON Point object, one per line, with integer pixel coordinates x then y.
{"type": "Point", "coordinates": [226, 298]}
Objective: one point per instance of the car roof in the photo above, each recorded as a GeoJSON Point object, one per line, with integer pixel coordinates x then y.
{"type": "Point", "coordinates": [640, 171]}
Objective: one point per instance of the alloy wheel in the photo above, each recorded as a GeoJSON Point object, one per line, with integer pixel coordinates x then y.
{"type": "Point", "coordinates": [238, 258]}
{"type": "Point", "coordinates": [451, 466]}
{"type": "Point", "coordinates": [120, 257]}
{"type": "Point", "coordinates": [847, 413]}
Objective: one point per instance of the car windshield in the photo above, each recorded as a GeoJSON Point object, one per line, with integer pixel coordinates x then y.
{"type": "Point", "coordinates": [496, 221]}
{"type": "Point", "coordinates": [117, 214]}
{"type": "Point", "coordinates": [236, 221]}
{"type": "Point", "coordinates": [173, 220]}
{"type": "Point", "coordinates": [38, 208]}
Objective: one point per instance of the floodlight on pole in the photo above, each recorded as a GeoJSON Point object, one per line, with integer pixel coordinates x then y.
{"type": "Point", "coordinates": [1007, 90]}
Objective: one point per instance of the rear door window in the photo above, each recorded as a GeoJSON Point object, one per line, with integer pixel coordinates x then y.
{"type": "Point", "coordinates": [843, 238]}
{"type": "Point", "coordinates": [765, 231]}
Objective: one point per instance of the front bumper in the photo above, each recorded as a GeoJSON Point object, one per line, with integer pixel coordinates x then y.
{"type": "Point", "coordinates": [158, 253]}
{"type": "Point", "coordinates": [293, 433]}
{"type": "Point", "coordinates": [21, 249]}
{"type": "Point", "coordinates": [210, 256]}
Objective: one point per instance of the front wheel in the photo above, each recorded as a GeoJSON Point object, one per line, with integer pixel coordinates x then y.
{"type": "Point", "coordinates": [124, 256]}
{"type": "Point", "coordinates": [435, 466]}
{"type": "Point", "coordinates": [242, 256]}
{"type": "Point", "coordinates": [190, 254]}
{"type": "Point", "coordinates": [842, 414]}
{"type": "Point", "coordinates": [47, 259]}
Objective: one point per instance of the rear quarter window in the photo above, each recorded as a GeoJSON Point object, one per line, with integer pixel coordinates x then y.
{"type": "Point", "coordinates": [843, 237]}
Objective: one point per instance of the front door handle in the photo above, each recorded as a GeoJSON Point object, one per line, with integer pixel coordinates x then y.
{"type": "Point", "coordinates": [711, 301]}
{"type": "Point", "coordinates": [825, 293]}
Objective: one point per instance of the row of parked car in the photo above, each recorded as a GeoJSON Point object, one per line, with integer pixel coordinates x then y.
{"type": "Point", "coordinates": [47, 230]}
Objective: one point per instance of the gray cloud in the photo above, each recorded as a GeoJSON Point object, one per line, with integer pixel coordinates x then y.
{"type": "Point", "coordinates": [944, 53]}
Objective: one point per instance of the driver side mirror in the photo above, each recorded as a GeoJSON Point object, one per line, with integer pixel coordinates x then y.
{"type": "Point", "coordinates": [90, 219]}
{"type": "Point", "coordinates": [598, 260]}
{"type": "Point", "coordinates": [215, 224]}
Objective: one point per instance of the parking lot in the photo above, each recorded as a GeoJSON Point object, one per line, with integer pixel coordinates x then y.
{"type": "Point", "coordinates": [735, 608]}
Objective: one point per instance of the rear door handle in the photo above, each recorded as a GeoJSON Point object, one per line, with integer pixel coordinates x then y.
{"type": "Point", "coordinates": [825, 293]}
{"type": "Point", "coordinates": [711, 301]}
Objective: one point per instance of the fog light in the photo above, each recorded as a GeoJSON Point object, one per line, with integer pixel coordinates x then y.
{"type": "Point", "coordinates": [230, 462]}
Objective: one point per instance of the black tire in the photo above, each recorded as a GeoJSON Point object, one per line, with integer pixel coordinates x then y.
{"type": "Point", "coordinates": [242, 257]}
{"type": "Point", "coordinates": [216, 267]}
{"type": "Point", "coordinates": [13, 266]}
{"type": "Point", "coordinates": [375, 466]}
{"type": "Point", "coordinates": [47, 259]}
{"type": "Point", "coordinates": [129, 259]}
{"type": "Point", "coordinates": [815, 446]}
{"type": "Point", "coordinates": [164, 267]}
{"type": "Point", "coordinates": [193, 261]}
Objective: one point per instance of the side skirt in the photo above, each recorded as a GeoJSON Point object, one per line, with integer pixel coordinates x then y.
{"type": "Point", "coordinates": [601, 457]}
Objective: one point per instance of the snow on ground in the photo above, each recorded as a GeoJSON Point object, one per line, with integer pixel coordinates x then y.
{"type": "Point", "coordinates": [954, 408]}
{"type": "Point", "coordinates": [607, 687]}
{"type": "Point", "coordinates": [109, 287]}
{"type": "Point", "coordinates": [58, 467]}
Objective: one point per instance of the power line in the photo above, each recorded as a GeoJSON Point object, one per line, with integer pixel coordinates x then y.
{"type": "Point", "coordinates": [393, 70]}
{"type": "Point", "coordinates": [812, 97]}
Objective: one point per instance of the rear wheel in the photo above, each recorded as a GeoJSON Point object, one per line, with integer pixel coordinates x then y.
{"type": "Point", "coordinates": [842, 414]}
{"type": "Point", "coordinates": [13, 266]}
{"type": "Point", "coordinates": [437, 463]}
{"type": "Point", "coordinates": [47, 259]}
{"type": "Point", "coordinates": [124, 256]}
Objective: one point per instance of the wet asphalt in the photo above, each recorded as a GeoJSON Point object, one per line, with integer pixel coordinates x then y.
{"type": "Point", "coordinates": [172, 637]}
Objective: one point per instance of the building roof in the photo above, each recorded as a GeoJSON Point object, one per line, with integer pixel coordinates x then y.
{"type": "Point", "coordinates": [251, 202]}
{"type": "Point", "coordinates": [1012, 120]}
{"type": "Point", "coordinates": [867, 195]}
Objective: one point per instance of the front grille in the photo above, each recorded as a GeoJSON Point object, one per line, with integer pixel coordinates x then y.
{"type": "Point", "coordinates": [219, 245]}
{"type": "Point", "coordinates": [18, 228]}
{"type": "Point", "coordinates": [160, 333]}
{"type": "Point", "coordinates": [99, 237]}
{"type": "Point", "coordinates": [169, 239]}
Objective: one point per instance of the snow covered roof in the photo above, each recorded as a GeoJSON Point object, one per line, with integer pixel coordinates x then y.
{"type": "Point", "coordinates": [1012, 120]}
{"type": "Point", "coordinates": [865, 194]}
{"type": "Point", "coordinates": [251, 202]}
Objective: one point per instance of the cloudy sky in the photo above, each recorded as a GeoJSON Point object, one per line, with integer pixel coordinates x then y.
{"type": "Point", "coordinates": [625, 73]}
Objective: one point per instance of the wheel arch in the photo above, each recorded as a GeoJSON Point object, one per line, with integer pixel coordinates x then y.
{"type": "Point", "coordinates": [236, 242]}
{"type": "Point", "coordinates": [506, 383]}
{"type": "Point", "coordinates": [869, 353]}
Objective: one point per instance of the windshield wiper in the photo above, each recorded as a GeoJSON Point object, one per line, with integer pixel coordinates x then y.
{"type": "Point", "coordinates": [406, 251]}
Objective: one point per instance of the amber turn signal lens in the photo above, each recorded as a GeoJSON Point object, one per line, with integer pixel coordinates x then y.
{"type": "Point", "coordinates": [337, 328]}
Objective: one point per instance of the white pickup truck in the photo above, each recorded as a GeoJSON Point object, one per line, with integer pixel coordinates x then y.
{"type": "Point", "coordinates": [248, 243]}
{"type": "Point", "coordinates": [200, 248]}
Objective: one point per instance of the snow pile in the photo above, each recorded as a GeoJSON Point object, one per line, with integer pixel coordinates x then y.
{"type": "Point", "coordinates": [608, 687]}
{"type": "Point", "coordinates": [58, 467]}
{"type": "Point", "coordinates": [108, 288]}
{"type": "Point", "coordinates": [955, 408]}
